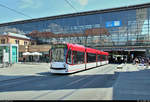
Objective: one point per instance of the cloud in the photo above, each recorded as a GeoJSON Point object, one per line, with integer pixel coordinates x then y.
{"type": "Point", "coordinates": [55, 28]}
{"type": "Point", "coordinates": [30, 4]}
{"type": "Point", "coordinates": [17, 19]}
{"type": "Point", "coordinates": [83, 2]}
{"type": "Point", "coordinates": [13, 30]}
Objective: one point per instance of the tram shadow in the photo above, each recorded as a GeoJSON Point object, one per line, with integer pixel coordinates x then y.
{"type": "Point", "coordinates": [51, 82]}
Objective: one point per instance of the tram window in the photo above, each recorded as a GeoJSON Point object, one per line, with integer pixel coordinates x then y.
{"type": "Point", "coordinates": [98, 57]}
{"type": "Point", "coordinates": [69, 57]}
{"type": "Point", "coordinates": [91, 57]}
{"type": "Point", "coordinates": [78, 57]}
{"type": "Point", "coordinates": [103, 57]}
{"type": "Point", "coordinates": [65, 52]}
{"type": "Point", "coordinates": [58, 55]}
{"type": "Point", "coordinates": [106, 58]}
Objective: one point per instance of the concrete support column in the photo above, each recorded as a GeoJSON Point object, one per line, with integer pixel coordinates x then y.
{"type": "Point", "coordinates": [10, 49]}
{"type": "Point", "coordinates": [147, 52]}
{"type": "Point", "coordinates": [17, 53]}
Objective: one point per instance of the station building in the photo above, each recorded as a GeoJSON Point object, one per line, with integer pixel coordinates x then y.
{"type": "Point", "coordinates": [122, 30]}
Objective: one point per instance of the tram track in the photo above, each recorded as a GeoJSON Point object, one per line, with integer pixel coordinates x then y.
{"type": "Point", "coordinates": [108, 69]}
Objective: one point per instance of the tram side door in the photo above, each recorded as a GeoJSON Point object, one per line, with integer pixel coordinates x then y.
{"type": "Point", "coordinates": [85, 59]}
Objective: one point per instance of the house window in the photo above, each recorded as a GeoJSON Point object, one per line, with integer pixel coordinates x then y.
{"type": "Point", "coordinates": [25, 43]}
{"type": "Point", "coordinates": [3, 41]}
{"type": "Point", "coordinates": [17, 41]}
{"type": "Point", "coordinates": [20, 54]}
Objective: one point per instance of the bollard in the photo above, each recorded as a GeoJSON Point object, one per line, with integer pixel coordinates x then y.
{"type": "Point", "coordinates": [120, 66]}
{"type": "Point", "coordinates": [3, 66]}
{"type": "Point", "coordinates": [147, 65]}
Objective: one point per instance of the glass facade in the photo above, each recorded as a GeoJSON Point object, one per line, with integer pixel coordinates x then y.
{"type": "Point", "coordinates": [117, 28]}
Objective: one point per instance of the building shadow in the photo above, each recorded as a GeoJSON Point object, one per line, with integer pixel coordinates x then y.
{"type": "Point", "coordinates": [132, 85]}
{"type": "Point", "coordinates": [128, 85]}
{"type": "Point", "coordinates": [48, 81]}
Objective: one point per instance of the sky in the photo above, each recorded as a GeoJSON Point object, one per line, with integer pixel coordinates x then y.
{"type": "Point", "coordinates": [46, 8]}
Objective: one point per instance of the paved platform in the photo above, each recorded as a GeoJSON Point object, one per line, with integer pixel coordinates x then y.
{"type": "Point", "coordinates": [22, 70]}
{"type": "Point", "coordinates": [133, 83]}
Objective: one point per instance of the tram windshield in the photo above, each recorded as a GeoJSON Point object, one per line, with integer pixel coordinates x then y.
{"type": "Point", "coordinates": [58, 53]}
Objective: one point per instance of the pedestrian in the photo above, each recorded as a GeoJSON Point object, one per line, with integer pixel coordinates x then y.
{"type": "Point", "coordinates": [147, 62]}
{"type": "Point", "coordinates": [125, 60]}
{"type": "Point", "coordinates": [116, 60]}
{"type": "Point", "coordinates": [23, 59]}
{"type": "Point", "coordinates": [142, 61]}
{"type": "Point", "coordinates": [122, 61]}
{"type": "Point", "coordinates": [136, 61]}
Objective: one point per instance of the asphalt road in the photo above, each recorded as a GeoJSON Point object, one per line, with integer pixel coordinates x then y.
{"type": "Point", "coordinates": [92, 84]}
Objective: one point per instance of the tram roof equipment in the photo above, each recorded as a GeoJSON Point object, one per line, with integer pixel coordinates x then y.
{"type": "Point", "coordinates": [76, 47]}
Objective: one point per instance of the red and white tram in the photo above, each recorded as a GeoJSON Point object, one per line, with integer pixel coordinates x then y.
{"type": "Point", "coordinates": [69, 58]}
